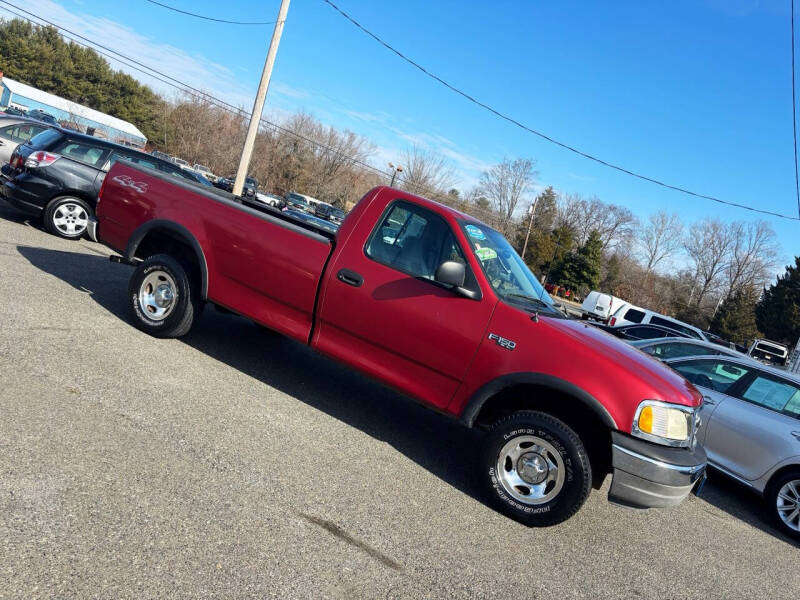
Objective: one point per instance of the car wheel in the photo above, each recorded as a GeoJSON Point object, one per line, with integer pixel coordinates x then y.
{"type": "Point", "coordinates": [783, 501]}
{"type": "Point", "coordinates": [535, 469]}
{"type": "Point", "coordinates": [67, 217]}
{"type": "Point", "coordinates": [162, 298]}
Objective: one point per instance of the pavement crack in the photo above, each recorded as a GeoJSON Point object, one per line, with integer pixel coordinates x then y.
{"type": "Point", "coordinates": [340, 533]}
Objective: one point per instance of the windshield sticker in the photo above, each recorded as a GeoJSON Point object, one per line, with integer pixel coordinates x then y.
{"type": "Point", "coordinates": [485, 254]}
{"type": "Point", "coordinates": [475, 232]}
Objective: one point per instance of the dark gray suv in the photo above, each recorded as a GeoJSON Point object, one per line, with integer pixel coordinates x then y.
{"type": "Point", "coordinates": [58, 173]}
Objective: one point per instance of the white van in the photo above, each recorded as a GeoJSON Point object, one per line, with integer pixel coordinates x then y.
{"type": "Point", "coordinates": [600, 306]}
{"type": "Point", "coordinates": [628, 314]}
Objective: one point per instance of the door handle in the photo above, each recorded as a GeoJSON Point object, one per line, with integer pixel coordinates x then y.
{"type": "Point", "coordinates": [350, 277]}
{"type": "Point", "coordinates": [709, 400]}
{"type": "Point", "coordinates": [796, 434]}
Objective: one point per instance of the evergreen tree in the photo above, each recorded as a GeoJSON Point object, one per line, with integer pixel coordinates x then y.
{"type": "Point", "coordinates": [778, 311]}
{"type": "Point", "coordinates": [580, 271]}
{"type": "Point", "coordinates": [40, 57]}
{"type": "Point", "coordinates": [735, 319]}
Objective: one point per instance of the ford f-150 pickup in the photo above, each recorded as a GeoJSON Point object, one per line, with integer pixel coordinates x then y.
{"type": "Point", "coordinates": [433, 303]}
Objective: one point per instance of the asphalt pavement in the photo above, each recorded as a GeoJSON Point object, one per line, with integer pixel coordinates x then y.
{"type": "Point", "coordinates": [235, 463]}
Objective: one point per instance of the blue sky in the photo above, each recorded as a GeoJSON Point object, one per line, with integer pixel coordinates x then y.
{"type": "Point", "coordinates": [697, 93]}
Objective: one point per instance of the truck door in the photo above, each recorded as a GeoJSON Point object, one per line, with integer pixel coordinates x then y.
{"type": "Point", "coordinates": [383, 313]}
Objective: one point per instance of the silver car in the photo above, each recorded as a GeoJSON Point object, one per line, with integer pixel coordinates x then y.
{"type": "Point", "coordinates": [750, 428]}
{"type": "Point", "coordinates": [676, 347]}
{"type": "Point", "coordinates": [15, 131]}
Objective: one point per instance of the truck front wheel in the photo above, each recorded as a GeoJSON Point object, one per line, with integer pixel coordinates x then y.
{"type": "Point", "coordinates": [162, 298]}
{"type": "Point", "coordinates": [535, 469]}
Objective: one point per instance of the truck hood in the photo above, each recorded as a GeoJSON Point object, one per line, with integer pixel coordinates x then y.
{"type": "Point", "coordinates": [668, 385]}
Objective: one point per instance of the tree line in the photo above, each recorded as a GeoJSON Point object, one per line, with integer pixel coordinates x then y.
{"type": "Point", "coordinates": [709, 273]}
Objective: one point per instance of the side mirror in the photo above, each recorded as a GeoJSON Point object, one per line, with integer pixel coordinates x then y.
{"type": "Point", "coordinates": [453, 274]}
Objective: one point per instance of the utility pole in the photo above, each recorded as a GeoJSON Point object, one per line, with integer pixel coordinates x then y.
{"type": "Point", "coordinates": [258, 105]}
{"type": "Point", "coordinates": [531, 210]}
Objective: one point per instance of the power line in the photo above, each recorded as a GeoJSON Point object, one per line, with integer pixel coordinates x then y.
{"type": "Point", "coordinates": [200, 94]}
{"type": "Point", "coordinates": [548, 138]}
{"type": "Point", "coordinates": [794, 123]}
{"type": "Point", "coordinates": [191, 14]}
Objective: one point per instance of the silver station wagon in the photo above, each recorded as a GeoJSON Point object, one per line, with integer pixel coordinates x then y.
{"type": "Point", "coordinates": [751, 428]}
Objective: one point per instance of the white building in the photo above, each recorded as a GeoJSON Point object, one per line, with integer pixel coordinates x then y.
{"type": "Point", "coordinates": [87, 120]}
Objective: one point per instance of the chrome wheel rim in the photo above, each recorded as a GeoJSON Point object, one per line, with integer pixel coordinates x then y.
{"type": "Point", "coordinates": [530, 470]}
{"type": "Point", "coordinates": [70, 218]}
{"type": "Point", "coordinates": [788, 504]}
{"type": "Point", "coordinates": [157, 295]}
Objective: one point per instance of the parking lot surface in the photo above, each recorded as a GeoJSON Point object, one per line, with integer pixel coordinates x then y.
{"type": "Point", "coordinates": [236, 463]}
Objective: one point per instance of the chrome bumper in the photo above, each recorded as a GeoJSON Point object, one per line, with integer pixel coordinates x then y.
{"type": "Point", "coordinates": [651, 476]}
{"type": "Point", "coordinates": [92, 229]}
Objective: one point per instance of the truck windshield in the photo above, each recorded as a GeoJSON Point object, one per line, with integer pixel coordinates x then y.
{"type": "Point", "coordinates": [510, 277]}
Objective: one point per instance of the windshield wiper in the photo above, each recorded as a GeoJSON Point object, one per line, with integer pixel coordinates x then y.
{"type": "Point", "coordinates": [537, 301]}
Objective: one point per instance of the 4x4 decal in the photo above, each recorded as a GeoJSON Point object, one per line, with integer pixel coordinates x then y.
{"type": "Point", "coordinates": [125, 181]}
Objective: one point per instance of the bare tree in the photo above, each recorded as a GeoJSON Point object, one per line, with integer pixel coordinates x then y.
{"type": "Point", "coordinates": [708, 246]}
{"type": "Point", "coordinates": [615, 224]}
{"type": "Point", "coordinates": [752, 255]}
{"type": "Point", "coordinates": [505, 184]}
{"type": "Point", "coordinates": [425, 173]}
{"type": "Point", "coordinates": [659, 239]}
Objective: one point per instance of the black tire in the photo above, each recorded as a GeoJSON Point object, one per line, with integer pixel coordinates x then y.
{"type": "Point", "coordinates": [771, 498]}
{"type": "Point", "coordinates": [557, 502]}
{"type": "Point", "coordinates": [183, 310]}
{"type": "Point", "coordinates": [67, 213]}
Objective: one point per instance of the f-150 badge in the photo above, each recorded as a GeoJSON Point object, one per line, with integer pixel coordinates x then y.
{"type": "Point", "coordinates": [502, 342]}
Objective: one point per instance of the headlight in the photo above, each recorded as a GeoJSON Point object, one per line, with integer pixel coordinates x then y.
{"type": "Point", "coordinates": [664, 423]}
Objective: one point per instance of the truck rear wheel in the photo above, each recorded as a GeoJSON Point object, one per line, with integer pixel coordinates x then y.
{"type": "Point", "coordinates": [535, 469]}
{"type": "Point", "coordinates": [162, 298]}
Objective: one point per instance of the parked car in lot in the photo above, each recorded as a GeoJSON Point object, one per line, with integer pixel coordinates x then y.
{"type": "Point", "coordinates": [44, 117]}
{"type": "Point", "coordinates": [323, 210]}
{"type": "Point", "coordinates": [161, 155]}
{"type": "Point", "coordinates": [768, 351]}
{"type": "Point", "coordinates": [677, 347]}
{"type": "Point", "coordinates": [433, 303]}
{"type": "Point", "coordinates": [750, 427]}
{"type": "Point", "coordinates": [628, 314]}
{"type": "Point", "coordinates": [600, 306]}
{"type": "Point", "coordinates": [15, 131]}
{"type": "Point", "coordinates": [316, 221]}
{"type": "Point", "coordinates": [640, 332]}
{"type": "Point", "coordinates": [190, 174]}
{"type": "Point", "coordinates": [270, 200]}
{"type": "Point", "coordinates": [13, 111]}
{"type": "Point", "coordinates": [57, 176]}
{"type": "Point", "coordinates": [297, 202]}
{"type": "Point", "coordinates": [204, 171]}
{"type": "Point", "coordinates": [337, 215]}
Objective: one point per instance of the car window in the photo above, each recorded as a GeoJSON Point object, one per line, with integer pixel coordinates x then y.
{"type": "Point", "coordinates": [718, 375]}
{"type": "Point", "coordinates": [81, 152]}
{"type": "Point", "coordinates": [21, 133]}
{"type": "Point", "coordinates": [675, 326]}
{"type": "Point", "coordinates": [134, 158]}
{"type": "Point", "coordinates": [633, 315]}
{"type": "Point", "coordinates": [413, 240]}
{"type": "Point", "coordinates": [665, 350]}
{"type": "Point", "coordinates": [171, 169]}
{"type": "Point", "coordinates": [643, 332]}
{"type": "Point", "coordinates": [775, 394]}
{"type": "Point", "coordinates": [44, 139]}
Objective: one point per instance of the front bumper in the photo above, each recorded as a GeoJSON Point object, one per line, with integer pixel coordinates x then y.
{"type": "Point", "coordinates": [648, 475]}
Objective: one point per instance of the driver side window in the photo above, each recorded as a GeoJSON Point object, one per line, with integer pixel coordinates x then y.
{"type": "Point", "coordinates": [413, 240]}
{"type": "Point", "coordinates": [715, 374]}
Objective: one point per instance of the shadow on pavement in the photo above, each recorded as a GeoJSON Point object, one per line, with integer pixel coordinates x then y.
{"type": "Point", "coordinates": [437, 443]}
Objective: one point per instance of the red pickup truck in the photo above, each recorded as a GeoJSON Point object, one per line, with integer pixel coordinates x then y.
{"type": "Point", "coordinates": [433, 303]}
